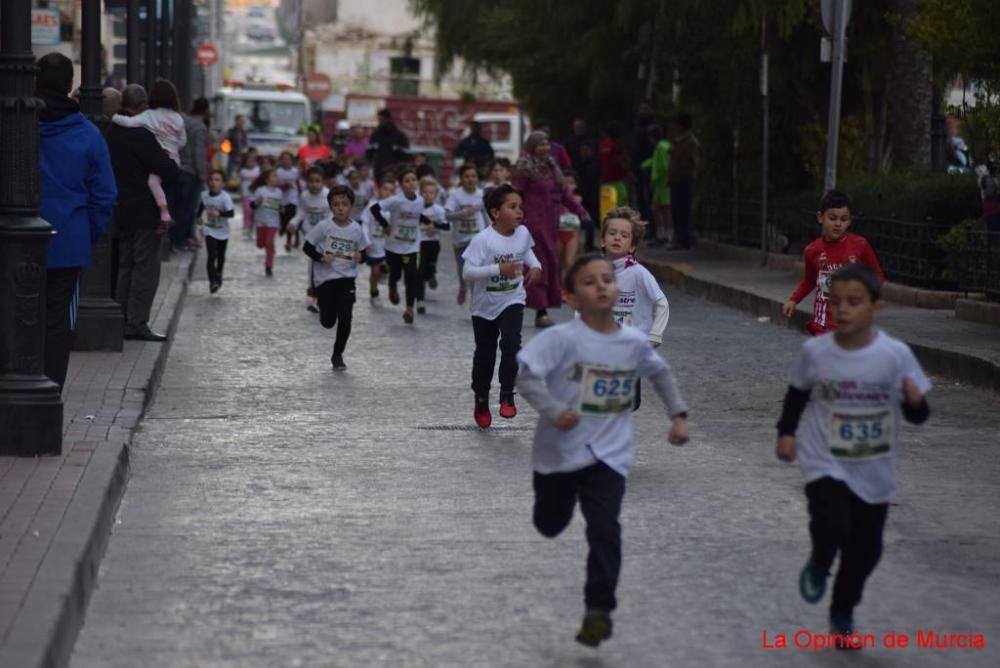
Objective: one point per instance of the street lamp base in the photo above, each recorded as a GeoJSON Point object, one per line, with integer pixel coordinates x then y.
{"type": "Point", "coordinates": [31, 411]}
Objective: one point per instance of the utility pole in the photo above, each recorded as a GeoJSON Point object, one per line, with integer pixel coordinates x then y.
{"type": "Point", "coordinates": [835, 15]}
{"type": "Point", "coordinates": [100, 323]}
{"type": "Point", "coordinates": [31, 409]}
{"type": "Point", "coordinates": [765, 139]}
{"type": "Point", "coordinates": [165, 69]}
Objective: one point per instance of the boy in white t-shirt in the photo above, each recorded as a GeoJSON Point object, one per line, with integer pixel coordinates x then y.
{"type": "Point", "coordinates": [288, 181]}
{"type": "Point", "coordinates": [467, 215]}
{"type": "Point", "coordinates": [313, 209]}
{"type": "Point", "coordinates": [495, 261]}
{"type": "Point", "coordinates": [335, 248]}
{"type": "Point", "coordinates": [580, 376]}
{"type": "Point", "coordinates": [249, 173]}
{"type": "Point", "coordinates": [430, 237]}
{"type": "Point", "coordinates": [641, 302]}
{"type": "Point", "coordinates": [853, 386]}
{"type": "Point", "coordinates": [215, 211]}
{"type": "Point", "coordinates": [375, 256]}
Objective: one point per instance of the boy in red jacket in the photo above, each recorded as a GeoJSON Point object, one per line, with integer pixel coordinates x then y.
{"type": "Point", "coordinates": [834, 249]}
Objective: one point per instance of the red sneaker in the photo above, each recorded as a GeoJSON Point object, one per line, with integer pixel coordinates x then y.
{"type": "Point", "coordinates": [507, 407]}
{"type": "Point", "coordinates": [482, 415]}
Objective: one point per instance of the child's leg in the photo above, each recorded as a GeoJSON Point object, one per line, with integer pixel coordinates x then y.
{"type": "Point", "coordinates": [220, 258]}
{"type": "Point", "coordinates": [829, 520]}
{"type": "Point", "coordinates": [459, 262]}
{"type": "Point", "coordinates": [601, 490]}
{"type": "Point", "coordinates": [484, 358]}
{"type": "Point", "coordinates": [269, 246]}
{"type": "Point", "coordinates": [261, 237]}
{"type": "Point", "coordinates": [638, 394]}
{"type": "Point", "coordinates": [155, 184]}
{"type": "Point", "coordinates": [395, 263]}
{"type": "Point", "coordinates": [326, 299]}
{"type": "Point", "coordinates": [509, 324]}
{"type": "Point", "coordinates": [247, 215]}
{"type": "Point", "coordinates": [345, 311]}
{"type": "Point", "coordinates": [210, 251]}
{"type": "Point", "coordinates": [412, 280]}
{"type": "Point", "coordinates": [555, 498]}
{"type": "Point", "coordinates": [429, 251]}
{"type": "Point", "coordinates": [859, 554]}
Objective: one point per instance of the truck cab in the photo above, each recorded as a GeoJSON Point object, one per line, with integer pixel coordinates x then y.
{"type": "Point", "coordinates": [275, 116]}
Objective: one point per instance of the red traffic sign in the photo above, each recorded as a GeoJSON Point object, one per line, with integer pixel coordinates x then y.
{"type": "Point", "coordinates": [318, 86]}
{"type": "Point", "coordinates": [206, 54]}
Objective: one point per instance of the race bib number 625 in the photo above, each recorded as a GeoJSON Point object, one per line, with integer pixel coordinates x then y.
{"type": "Point", "coordinates": [606, 391]}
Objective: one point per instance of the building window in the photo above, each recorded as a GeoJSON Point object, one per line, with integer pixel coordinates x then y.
{"type": "Point", "coordinates": [404, 76]}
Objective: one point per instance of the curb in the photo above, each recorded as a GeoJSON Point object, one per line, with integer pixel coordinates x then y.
{"type": "Point", "coordinates": [952, 364]}
{"type": "Point", "coordinates": [55, 606]}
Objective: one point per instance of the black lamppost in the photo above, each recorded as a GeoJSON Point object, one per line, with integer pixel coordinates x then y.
{"type": "Point", "coordinates": [165, 26]}
{"type": "Point", "coordinates": [31, 410]}
{"type": "Point", "coordinates": [132, 39]}
{"type": "Point", "coordinates": [150, 44]}
{"type": "Point", "coordinates": [183, 54]}
{"type": "Point", "coordinates": [100, 323]}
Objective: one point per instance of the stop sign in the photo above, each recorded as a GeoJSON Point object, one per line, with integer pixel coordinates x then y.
{"type": "Point", "coordinates": [206, 54]}
{"type": "Point", "coordinates": [318, 86]}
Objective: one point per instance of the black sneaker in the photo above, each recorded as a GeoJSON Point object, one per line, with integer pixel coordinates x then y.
{"type": "Point", "coordinates": [268, 271]}
{"type": "Point", "coordinates": [374, 293]}
{"type": "Point", "coordinates": [432, 283]}
{"type": "Point", "coordinates": [338, 362]}
{"type": "Point", "coordinates": [312, 308]}
{"type": "Point", "coordinates": [596, 627]}
{"type": "Point", "coordinates": [213, 288]}
{"type": "Point", "coordinates": [812, 582]}
{"type": "Point", "coordinates": [842, 628]}
{"type": "Point", "coordinates": [421, 308]}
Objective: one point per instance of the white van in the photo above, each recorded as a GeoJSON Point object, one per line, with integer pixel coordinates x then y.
{"type": "Point", "coordinates": [274, 117]}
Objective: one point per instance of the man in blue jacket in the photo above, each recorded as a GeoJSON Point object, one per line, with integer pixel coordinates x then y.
{"type": "Point", "coordinates": [77, 196]}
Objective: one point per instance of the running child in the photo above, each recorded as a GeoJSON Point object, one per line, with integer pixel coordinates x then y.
{"type": "Point", "coordinates": [335, 248]}
{"type": "Point", "coordinates": [430, 239]}
{"type": "Point", "coordinates": [249, 173]}
{"type": "Point", "coordinates": [569, 224]}
{"type": "Point", "coordinates": [266, 205]}
{"type": "Point", "coordinates": [499, 174]}
{"type": "Point", "coordinates": [580, 376]}
{"type": "Point", "coordinates": [852, 386]}
{"type": "Point", "coordinates": [375, 256]}
{"type": "Point", "coordinates": [217, 208]}
{"type": "Point", "coordinates": [402, 243]}
{"type": "Point", "coordinates": [834, 249]}
{"type": "Point", "coordinates": [641, 303]}
{"type": "Point", "coordinates": [288, 181]}
{"type": "Point", "coordinates": [165, 122]}
{"type": "Point", "coordinates": [467, 215]}
{"type": "Point", "coordinates": [495, 264]}
{"type": "Point", "coordinates": [313, 208]}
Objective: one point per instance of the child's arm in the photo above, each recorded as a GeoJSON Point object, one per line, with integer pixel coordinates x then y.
{"type": "Point", "coordinates": [661, 317]}
{"type": "Point", "coordinates": [658, 371]}
{"type": "Point", "coordinates": [534, 390]}
{"type": "Point", "coordinates": [142, 120]}
{"type": "Point", "coordinates": [534, 272]}
{"type": "Point", "coordinates": [377, 213]}
{"type": "Point", "coordinates": [810, 272]}
{"type": "Point", "coordinates": [796, 398]}
{"type": "Point", "coordinates": [309, 246]}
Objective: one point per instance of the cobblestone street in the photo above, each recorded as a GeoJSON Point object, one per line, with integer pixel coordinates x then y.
{"type": "Point", "coordinates": [281, 514]}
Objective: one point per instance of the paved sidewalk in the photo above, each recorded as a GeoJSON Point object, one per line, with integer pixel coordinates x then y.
{"type": "Point", "coordinates": [55, 512]}
{"type": "Point", "coordinates": [968, 352]}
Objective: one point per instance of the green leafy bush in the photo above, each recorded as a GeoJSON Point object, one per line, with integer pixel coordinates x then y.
{"type": "Point", "coordinates": [963, 247]}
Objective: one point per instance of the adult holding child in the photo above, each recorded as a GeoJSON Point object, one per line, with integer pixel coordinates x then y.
{"type": "Point", "coordinates": [537, 176]}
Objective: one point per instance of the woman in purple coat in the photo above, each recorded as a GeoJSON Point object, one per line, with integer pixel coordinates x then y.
{"type": "Point", "coordinates": [540, 180]}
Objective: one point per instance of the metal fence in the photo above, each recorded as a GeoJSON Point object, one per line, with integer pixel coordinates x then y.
{"type": "Point", "coordinates": [909, 251]}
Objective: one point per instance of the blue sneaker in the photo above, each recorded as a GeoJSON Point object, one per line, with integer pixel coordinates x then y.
{"type": "Point", "coordinates": [812, 582]}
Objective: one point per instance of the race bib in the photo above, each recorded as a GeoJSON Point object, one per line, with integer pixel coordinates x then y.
{"type": "Point", "coordinates": [860, 433]}
{"type": "Point", "coordinates": [823, 283]}
{"type": "Point", "coordinates": [340, 248]}
{"type": "Point", "coordinates": [502, 283]}
{"type": "Point", "coordinates": [605, 392]}
{"type": "Point", "coordinates": [271, 204]}
{"type": "Point", "coordinates": [569, 222]}
{"type": "Point", "coordinates": [468, 226]}
{"type": "Point", "coordinates": [406, 233]}
{"type": "Point", "coordinates": [623, 316]}
{"type": "Point", "coordinates": [213, 220]}
{"type": "Point", "coordinates": [317, 215]}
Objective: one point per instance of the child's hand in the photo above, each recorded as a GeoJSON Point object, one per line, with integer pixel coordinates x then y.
{"type": "Point", "coordinates": [787, 448]}
{"type": "Point", "coordinates": [510, 268]}
{"type": "Point", "coordinates": [679, 432]}
{"type": "Point", "coordinates": [911, 393]}
{"type": "Point", "coordinates": [328, 258]}
{"type": "Point", "coordinates": [469, 211]}
{"type": "Point", "coordinates": [532, 276]}
{"type": "Point", "coordinates": [357, 257]}
{"type": "Point", "coordinates": [655, 344]}
{"type": "Point", "coordinates": [788, 308]}
{"type": "Point", "coordinates": [567, 420]}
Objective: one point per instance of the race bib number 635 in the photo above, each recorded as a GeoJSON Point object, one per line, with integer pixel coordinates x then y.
{"type": "Point", "coordinates": [860, 433]}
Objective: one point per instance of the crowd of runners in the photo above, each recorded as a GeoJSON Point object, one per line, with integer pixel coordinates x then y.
{"type": "Point", "coordinates": [846, 397]}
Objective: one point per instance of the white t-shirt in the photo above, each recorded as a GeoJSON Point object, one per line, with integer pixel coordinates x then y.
{"type": "Point", "coordinates": [463, 229]}
{"type": "Point", "coordinates": [247, 176]}
{"type": "Point", "coordinates": [166, 125]}
{"type": "Point", "coordinates": [375, 232]}
{"type": "Point", "coordinates": [493, 293]}
{"type": "Point", "coordinates": [268, 211]}
{"type": "Point", "coordinates": [850, 427]}
{"type": "Point", "coordinates": [312, 209]}
{"type": "Point", "coordinates": [638, 293]}
{"type": "Point", "coordinates": [216, 227]}
{"type": "Point", "coordinates": [403, 235]}
{"type": "Point", "coordinates": [342, 242]}
{"type": "Point", "coordinates": [289, 176]}
{"type": "Point", "coordinates": [595, 375]}
{"type": "Point", "coordinates": [435, 213]}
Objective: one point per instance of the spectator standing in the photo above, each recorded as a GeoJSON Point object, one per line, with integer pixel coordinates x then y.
{"type": "Point", "coordinates": [540, 180]}
{"type": "Point", "coordinates": [77, 197]}
{"type": "Point", "coordinates": [135, 154]}
{"type": "Point", "coordinates": [989, 184]}
{"type": "Point", "coordinates": [314, 149]}
{"type": "Point", "coordinates": [656, 168]}
{"type": "Point", "coordinates": [238, 143]}
{"type": "Point", "coordinates": [388, 145]}
{"type": "Point", "coordinates": [193, 176]}
{"type": "Point", "coordinates": [559, 152]}
{"type": "Point", "coordinates": [356, 146]}
{"type": "Point", "coordinates": [474, 148]}
{"type": "Point", "coordinates": [612, 161]}
{"type": "Point", "coordinates": [642, 150]}
{"type": "Point", "coordinates": [684, 154]}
